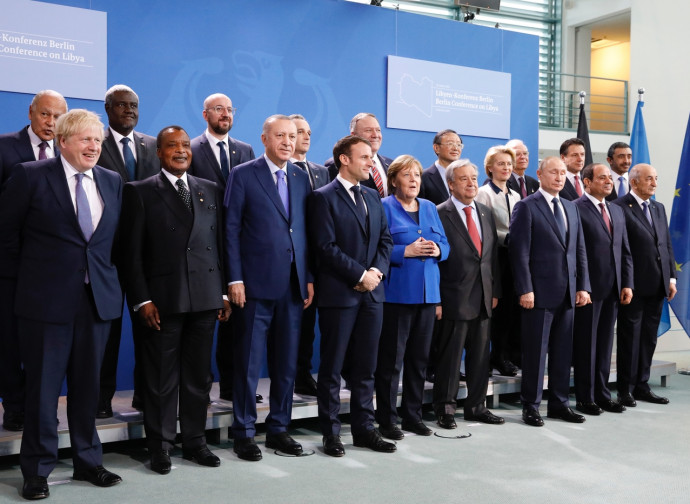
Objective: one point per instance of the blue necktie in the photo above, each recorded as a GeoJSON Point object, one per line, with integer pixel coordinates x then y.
{"type": "Point", "coordinates": [283, 191]}
{"type": "Point", "coordinates": [130, 163]}
{"type": "Point", "coordinates": [621, 187]}
{"type": "Point", "coordinates": [558, 215]}
{"type": "Point", "coordinates": [83, 209]}
{"type": "Point", "coordinates": [224, 165]}
{"type": "Point", "coordinates": [645, 211]}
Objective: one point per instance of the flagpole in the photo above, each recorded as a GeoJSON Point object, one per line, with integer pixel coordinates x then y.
{"type": "Point", "coordinates": [583, 94]}
{"type": "Point", "coordinates": [640, 94]}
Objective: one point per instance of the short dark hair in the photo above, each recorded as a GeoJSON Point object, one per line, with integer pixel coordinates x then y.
{"type": "Point", "coordinates": [439, 135]}
{"type": "Point", "coordinates": [588, 171]}
{"type": "Point", "coordinates": [159, 138]}
{"type": "Point", "coordinates": [614, 146]}
{"type": "Point", "coordinates": [570, 141]}
{"type": "Point", "coordinates": [344, 146]}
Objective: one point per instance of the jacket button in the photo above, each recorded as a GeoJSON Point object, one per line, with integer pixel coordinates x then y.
{"type": "Point", "coordinates": [189, 249]}
{"type": "Point", "coordinates": [213, 227]}
{"type": "Point", "coordinates": [208, 248]}
{"type": "Point", "coordinates": [211, 269]}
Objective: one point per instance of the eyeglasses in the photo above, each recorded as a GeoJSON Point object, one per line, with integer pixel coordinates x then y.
{"type": "Point", "coordinates": [219, 109]}
{"type": "Point", "coordinates": [453, 144]}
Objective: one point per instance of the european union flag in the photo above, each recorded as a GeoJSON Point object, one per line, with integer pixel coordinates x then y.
{"type": "Point", "coordinates": [640, 154]}
{"type": "Point", "coordinates": [680, 235]}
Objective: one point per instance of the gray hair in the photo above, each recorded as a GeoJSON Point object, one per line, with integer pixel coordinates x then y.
{"type": "Point", "coordinates": [271, 119]}
{"type": "Point", "coordinates": [118, 88]}
{"type": "Point", "coordinates": [450, 169]}
{"type": "Point", "coordinates": [299, 117]}
{"type": "Point", "coordinates": [47, 92]}
{"type": "Point", "coordinates": [357, 118]}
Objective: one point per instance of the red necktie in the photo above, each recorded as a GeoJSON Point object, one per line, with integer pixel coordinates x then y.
{"type": "Point", "coordinates": [605, 216]}
{"type": "Point", "coordinates": [377, 180]}
{"type": "Point", "coordinates": [578, 187]}
{"type": "Point", "coordinates": [472, 229]}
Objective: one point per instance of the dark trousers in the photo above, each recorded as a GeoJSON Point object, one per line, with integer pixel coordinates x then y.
{"type": "Point", "coordinates": [50, 353]}
{"type": "Point", "coordinates": [11, 371]}
{"type": "Point", "coordinates": [546, 331]}
{"type": "Point", "coordinates": [224, 357]}
{"type": "Point", "coordinates": [353, 331]}
{"type": "Point", "coordinates": [592, 347]}
{"type": "Point", "coordinates": [404, 346]}
{"type": "Point", "coordinates": [306, 340]}
{"type": "Point", "coordinates": [505, 334]}
{"type": "Point", "coordinates": [454, 336]}
{"type": "Point", "coordinates": [176, 366]}
{"type": "Point", "coordinates": [638, 323]}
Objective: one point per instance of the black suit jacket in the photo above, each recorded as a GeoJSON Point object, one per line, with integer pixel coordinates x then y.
{"type": "Point", "coordinates": [16, 148]}
{"type": "Point", "coordinates": [568, 192]}
{"type": "Point", "coordinates": [652, 254]}
{"type": "Point", "coordinates": [147, 159]}
{"type": "Point", "coordinates": [319, 173]}
{"type": "Point", "coordinates": [531, 185]}
{"type": "Point", "coordinates": [433, 187]}
{"type": "Point", "coordinates": [205, 165]}
{"type": "Point", "coordinates": [467, 279]}
{"type": "Point", "coordinates": [173, 256]}
{"type": "Point", "coordinates": [614, 194]}
{"type": "Point", "coordinates": [385, 163]}
{"type": "Point", "coordinates": [608, 254]}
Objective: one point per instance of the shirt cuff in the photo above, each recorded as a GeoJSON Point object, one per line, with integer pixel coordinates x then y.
{"type": "Point", "coordinates": [136, 307]}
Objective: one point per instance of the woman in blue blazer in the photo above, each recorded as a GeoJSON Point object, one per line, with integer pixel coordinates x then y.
{"type": "Point", "coordinates": [412, 293]}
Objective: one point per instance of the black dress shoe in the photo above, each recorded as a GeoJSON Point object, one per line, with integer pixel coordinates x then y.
{"type": "Point", "coordinates": [532, 417]}
{"type": "Point", "coordinates": [259, 398]}
{"type": "Point", "coordinates": [35, 487]}
{"type": "Point", "coordinates": [105, 410]}
{"type": "Point", "coordinates": [649, 396]}
{"type": "Point", "coordinates": [372, 439]}
{"type": "Point", "coordinates": [305, 384]}
{"type": "Point", "coordinates": [446, 421]}
{"type": "Point", "coordinates": [13, 421]}
{"type": "Point", "coordinates": [98, 476]}
{"type": "Point", "coordinates": [160, 461]}
{"type": "Point", "coordinates": [626, 399]}
{"type": "Point", "coordinates": [282, 441]}
{"type": "Point", "coordinates": [247, 449]}
{"type": "Point", "coordinates": [505, 367]}
{"type": "Point", "coordinates": [201, 456]}
{"type": "Point", "coordinates": [463, 377]}
{"type": "Point", "coordinates": [588, 408]}
{"type": "Point", "coordinates": [418, 428]}
{"type": "Point", "coordinates": [137, 403]}
{"type": "Point", "coordinates": [487, 417]}
{"type": "Point", "coordinates": [333, 446]}
{"type": "Point", "coordinates": [391, 431]}
{"type": "Point", "coordinates": [227, 396]}
{"type": "Point", "coordinates": [611, 406]}
{"type": "Point", "coordinates": [566, 414]}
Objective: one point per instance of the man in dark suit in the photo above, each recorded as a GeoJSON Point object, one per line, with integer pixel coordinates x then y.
{"type": "Point", "coordinates": [318, 177]}
{"type": "Point", "coordinates": [573, 156]}
{"type": "Point", "coordinates": [470, 288]}
{"type": "Point", "coordinates": [349, 233]}
{"type": "Point", "coordinates": [133, 156]}
{"type": "Point", "coordinates": [172, 234]}
{"type": "Point", "coordinates": [448, 148]}
{"type": "Point", "coordinates": [522, 184]}
{"type": "Point", "coordinates": [655, 271]}
{"type": "Point", "coordinates": [611, 279]}
{"type": "Point", "coordinates": [365, 125]}
{"type": "Point", "coordinates": [58, 219]}
{"type": "Point", "coordinates": [214, 154]}
{"type": "Point", "coordinates": [549, 260]}
{"type": "Point", "coordinates": [269, 282]}
{"type": "Point", "coordinates": [32, 143]}
{"type": "Point", "coordinates": [619, 158]}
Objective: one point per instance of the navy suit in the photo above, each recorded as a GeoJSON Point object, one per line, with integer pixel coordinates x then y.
{"type": "Point", "coordinates": [16, 148]}
{"type": "Point", "coordinates": [385, 163]}
{"type": "Point", "coordinates": [266, 250]}
{"type": "Point", "coordinates": [553, 271]}
{"type": "Point", "coordinates": [531, 185]}
{"type": "Point", "coordinates": [433, 188]}
{"type": "Point", "coordinates": [610, 270]}
{"type": "Point", "coordinates": [205, 165]}
{"type": "Point", "coordinates": [654, 266]}
{"type": "Point", "coordinates": [569, 192]}
{"type": "Point", "coordinates": [64, 321]}
{"type": "Point", "coordinates": [350, 321]}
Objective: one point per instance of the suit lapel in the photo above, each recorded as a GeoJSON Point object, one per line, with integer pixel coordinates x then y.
{"type": "Point", "coordinates": [234, 155]}
{"type": "Point", "coordinates": [171, 198]}
{"type": "Point", "coordinates": [639, 214]}
{"type": "Point", "coordinates": [590, 207]}
{"type": "Point", "coordinates": [207, 151]}
{"type": "Point", "coordinates": [265, 177]}
{"type": "Point", "coordinates": [24, 148]}
{"type": "Point", "coordinates": [545, 209]}
{"type": "Point", "coordinates": [460, 227]}
{"type": "Point", "coordinates": [342, 193]}
{"type": "Point", "coordinates": [111, 150]}
{"type": "Point", "coordinates": [437, 180]}
{"type": "Point", "coordinates": [58, 183]}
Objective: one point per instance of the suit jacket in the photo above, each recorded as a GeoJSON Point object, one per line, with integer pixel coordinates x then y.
{"type": "Point", "coordinates": [531, 185]}
{"type": "Point", "coordinates": [319, 173]}
{"type": "Point", "coordinates": [614, 194]}
{"type": "Point", "coordinates": [16, 148]}
{"type": "Point", "coordinates": [541, 262]}
{"type": "Point", "coordinates": [261, 240]}
{"type": "Point", "coordinates": [173, 257]}
{"type": "Point", "coordinates": [608, 254]}
{"type": "Point", "coordinates": [568, 192]}
{"type": "Point", "coordinates": [468, 280]}
{"type": "Point", "coordinates": [413, 280]}
{"type": "Point", "coordinates": [385, 163]}
{"type": "Point", "coordinates": [345, 245]}
{"type": "Point", "coordinates": [147, 159]}
{"type": "Point", "coordinates": [204, 164]}
{"type": "Point", "coordinates": [652, 253]}
{"type": "Point", "coordinates": [44, 248]}
{"type": "Point", "coordinates": [433, 187]}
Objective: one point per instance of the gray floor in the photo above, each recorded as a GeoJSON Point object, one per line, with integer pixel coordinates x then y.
{"type": "Point", "coordinates": [640, 456]}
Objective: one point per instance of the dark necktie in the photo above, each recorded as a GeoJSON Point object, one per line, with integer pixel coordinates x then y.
{"type": "Point", "coordinates": [184, 194]}
{"type": "Point", "coordinates": [523, 189]}
{"type": "Point", "coordinates": [130, 163]}
{"type": "Point", "coordinates": [472, 229]}
{"type": "Point", "coordinates": [578, 186]}
{"type": "Point", "coordinates": [303, 165]}
{"type": "Point", "coordinates": [558, 215]}
{"type": "Point", "coordinates": [283, 191]}
{"type": "Point", "coordinates": [42, 150]}
{"type": "Point", "coordinates": [359, 202]}
{"type": "Point", "coordinates": [645, 211]}
{"type": "Point", "coordinates": [605, 216]}
{"type": "Point", "coordinates": [622, 189]}
{"type": "Point", "coordinates": [224, 165]}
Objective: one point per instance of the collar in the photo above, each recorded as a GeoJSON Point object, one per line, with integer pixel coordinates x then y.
{"type": "Point", "coordinates": [173, 179]}
{"type": "Point", "coordinates": [36, 140]}
{"type": "Point", "coordinates": [547, 196]}
{"type": "Point", "coordinates": [214, 140]}
{"type": "Point", "coordinates": [346, 183]}
{"type": "Point", "coordinates": [274, 167]}
{"type": "Point", "coordinates": [118, 138]}
{"type": "Point", "coordinates": [594, 200]}
{"type": "Point", "coordinates": [638, 199]}
{"type": "Point", "coordinates": [71, 171]}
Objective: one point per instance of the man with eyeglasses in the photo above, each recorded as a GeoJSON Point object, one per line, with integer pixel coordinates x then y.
{"type": "Point", "coordinates": [133, 156]}
{"type": "Point", "coordinates": [448, 148]}
{"type": "Point", "coordinates": [214, 155]}
{"type": "Point", "coordinates": [522, 184]}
